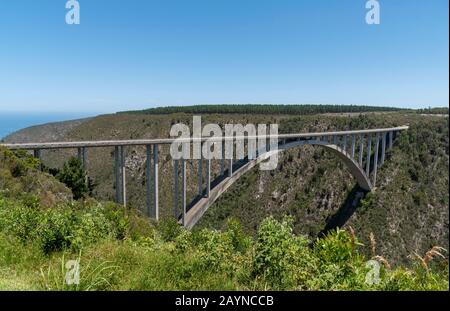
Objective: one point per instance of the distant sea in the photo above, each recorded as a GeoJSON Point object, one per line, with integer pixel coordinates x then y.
{"type": "Point", "coordinates": [14, 121]}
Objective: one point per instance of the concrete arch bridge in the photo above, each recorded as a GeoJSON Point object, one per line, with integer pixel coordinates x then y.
{"type": "Point", "coordinates": [362, 152]}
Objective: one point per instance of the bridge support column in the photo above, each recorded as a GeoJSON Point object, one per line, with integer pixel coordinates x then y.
{"type": "Point", "coordinates": [84, 152]}
{"type": "Point", "coordinates": [183, 187]}
{"type": "Point", "coordinates": [344, 143]}
{"type": "Point", "coordinates": [37, 155]}
{"type": "Point", "coordinates": [200, 176]}
{"type": "Point", "coordinates": [148, 176]}
{"type": "Point", "coordinates": [230, 168]}
{"type": "Point", "coordinates": [123, 176]}
{"type": "Point", "coordinates": [361, 149]}
{"type": "Point", "coordinates": [117, 174]}
{"type": "Point", "coordinates": [208, 177]}
{"type": "Point", "coordinates": [155, 182]}
{"type": "Point", "coordinates": [383, 148]}
{"type": "Point", "coordinates": [375, 162]}
{"type": "Point", "coordinates": [175, 193]}
{"type": "Point", "coordinates": [391, 134]}
{"type": "Point", "coordinates": [334, 140]}
{"type": "Point", "coordinates": [369, 151]}
{"type": "Point", "coordinates": [353, 145]}
{"type": "Point", "coordinates": [85, 164]}
{"type": "Point", "coordinates": [222, 161]}
{"type": "Point", "coordinates": [80, 155]}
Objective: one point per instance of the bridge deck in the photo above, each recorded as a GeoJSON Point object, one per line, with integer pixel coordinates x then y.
{"type": "Point", "coordinates": [141, 142]}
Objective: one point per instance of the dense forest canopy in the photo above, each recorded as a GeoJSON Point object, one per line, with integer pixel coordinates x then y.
{"type": "Point", "coordinates": [264, 109]}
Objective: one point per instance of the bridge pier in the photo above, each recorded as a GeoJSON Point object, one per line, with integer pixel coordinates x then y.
{"type": "Point", "coordinates": [117, 174]}
{"type": "Point", "coordinates": [369, 151]}
{"type": "Point", "coordinates": [375, 162]}
{"type": "Point", "coordinates": [361, 149]}
{"type": "Point", "coordinates": [183, 189]}
{"type": "Point", "coordinates": [84, 161]}
{"type": "Point", "coordinates": [200, 176]}
{"type": "Point", "coordinates": [123, 176]}
{"type": "Point", "coordinates": [175, 194]}
{"type": "Point", "coordinates": [391, 134]}
{"type": "Point", "coordinates": [156, 181]}
{"type": "Point", "coordinates": [344, 143]}
{"type": "Point", "coordinates": [222, 161]}
{"type": "Point", "coordinates": [353, 145]}
{"type": "Point", "coordinates": [148, 176]}
{"type": "Point", "coordinates": [208, 177]}
{"type": "Point", "coordinates": [82, 156]}
{"type": "Point", "coordinates": [383, 148]}
{"type": "Point", "coordinates": [37, 155]}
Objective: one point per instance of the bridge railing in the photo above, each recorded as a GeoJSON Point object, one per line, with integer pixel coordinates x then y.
{"type": "Point", "coordinates": [346, 141]}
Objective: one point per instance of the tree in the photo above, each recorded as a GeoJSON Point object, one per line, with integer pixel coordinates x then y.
{"type": "Point", "coordinates": [74, 176]}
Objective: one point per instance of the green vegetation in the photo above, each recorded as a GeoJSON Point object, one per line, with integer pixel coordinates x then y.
{"type": "Point", "coordinates": [408, 213]}
{"type": "Point", "coordinates": [263, 109]}
{"type": "Point", "coordinates": [74, 176]}
{"type": "Point", "coordinates": [119, 250]}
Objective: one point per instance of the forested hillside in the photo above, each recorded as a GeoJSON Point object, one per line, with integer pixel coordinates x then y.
{"type": "Point", "coordinates": [407, 213]}
{"type": "Point", "coordinates": [264, 109]}
{"type": "Point", "coordinates": [119, 250]}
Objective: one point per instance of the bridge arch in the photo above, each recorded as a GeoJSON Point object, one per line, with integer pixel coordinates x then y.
{"type": "Point", "coordinates": [197, 210]}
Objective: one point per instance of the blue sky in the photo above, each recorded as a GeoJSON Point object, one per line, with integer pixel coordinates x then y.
{"type": "Point", "coordinates": [143, 53]}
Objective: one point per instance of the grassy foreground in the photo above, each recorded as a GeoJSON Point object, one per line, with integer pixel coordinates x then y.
{"type": "Point", "coordinates": [40, 230]}
{"type": "Point", "coordinates": [121, 251]}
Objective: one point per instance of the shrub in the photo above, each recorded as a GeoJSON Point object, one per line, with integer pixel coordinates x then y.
{"type": "Point", "coordinates": [74, 176]}
{"type": "Point", "coordinates": [337, 247]}
{"type": "Point", "coordinates": [339, 262]}
{"type": "Point", "coordinates": [280, 256]}
{"type": "Point", "coordinates": [90, 227]}
{"type": "Point", "coordinates": [18, 220]}
{"type": "Point", "coordinates": [169, 229]}
{"type": "Point", "coordinates": [118, 218]}
{"type": "Point", "coordinates": [240, 241]}
{"type": "Point", "coordinates": [70, 226]}
{"type": "Point", "coordinates": [214, 248]}
{"type": "Point", "coordinates": [54, 230]}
